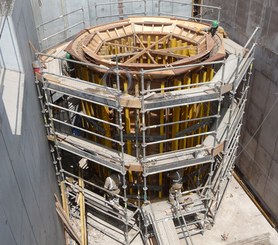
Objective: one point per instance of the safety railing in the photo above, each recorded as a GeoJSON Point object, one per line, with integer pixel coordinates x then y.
{"type": "Point", "coordinates": [176, 8]}
{"type": "Point", "coordinates": [63, 26]}
{"type": "Point", "coordinates": [144, 93]}
{"type": "Point", "coordinates": [244, 60]}
{"type": "Point", "coordinates": [215, 84]}
{"type": "Point", "coordinates": [114, 11]}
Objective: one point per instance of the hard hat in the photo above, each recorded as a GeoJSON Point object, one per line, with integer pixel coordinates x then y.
{"type": "Point", "coordinates": [68, 56]}
{"type": "Point", "coordinates": [214, 24]}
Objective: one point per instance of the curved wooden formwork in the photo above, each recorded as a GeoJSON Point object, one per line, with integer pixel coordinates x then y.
{"type": "Point", "coordinates": [147, 43]}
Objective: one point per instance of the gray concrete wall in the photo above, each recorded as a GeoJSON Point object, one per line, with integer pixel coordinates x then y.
{"type": "Point", "coordinates": [28, 182]}
{"type": "Point", "coordinates": [258, 160]}
{"type": "Point", "coordinates": [93, 12]}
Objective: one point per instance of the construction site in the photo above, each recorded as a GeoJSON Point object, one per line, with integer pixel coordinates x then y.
{"type": "Point", "coordinates": [138, 122]}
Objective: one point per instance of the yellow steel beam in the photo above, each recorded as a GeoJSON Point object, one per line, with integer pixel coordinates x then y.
{"type": "Point", "coordinates": [210, 74]}
{"type": "Point", "coordinates": [85, 73]}
{"type": "Point", "coordinates": [127, 121]}
{"type": "Point", "coordinates": [164, 61]}
{"type": "Point", "coordinates": [141, 39]}
{"type": "Point", "coordinates": [176, 117]}
{"type": "Point", "coordinates": [173, 45]}
{"type": "Point", "coordinates": [192, 50]}
{"type": "Point", "coordinates": [201, 107]}
{"type": "Point", "coordinates": [185, 110]}
{"type": "Point", "coordinates": [185, 51]}
{"type": "Point", "coordinates": [194, 109]}
{"type": "Point", "coordinates": [156, 47]}
{"type": "Point", "coordinates": [117, 48]}
{"type": "Point", "coordinates": [179, 44]}
{"type": "Point", "coordinates": [149, 44]}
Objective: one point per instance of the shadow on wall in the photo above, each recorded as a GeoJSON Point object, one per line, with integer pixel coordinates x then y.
{"type": "Point", "coordinates": [11, 77]}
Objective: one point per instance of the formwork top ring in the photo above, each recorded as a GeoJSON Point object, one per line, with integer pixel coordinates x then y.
{"type": "Point", "coordinates": [146, 43]}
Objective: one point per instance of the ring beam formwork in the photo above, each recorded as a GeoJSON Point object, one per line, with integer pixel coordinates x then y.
{"type": "Point", "coordinates": [144, 96]}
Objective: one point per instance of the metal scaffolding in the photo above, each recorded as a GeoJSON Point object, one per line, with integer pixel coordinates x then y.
{"type": "Point", "coordinates": [143, 219]}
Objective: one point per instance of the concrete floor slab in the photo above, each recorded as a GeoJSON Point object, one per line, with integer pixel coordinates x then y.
{"type": "Point", "coordinates": [240, 221]}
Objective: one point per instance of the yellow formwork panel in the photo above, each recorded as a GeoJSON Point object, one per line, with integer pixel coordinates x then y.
{"type": "Point", "coordinates": [179, 44]}
{"type": "Point", "coordinates": [117, 48]}
{"type": "Point", "coordinates": [194, 113]}
{"type": "Point", "coordinates": [127, 122]}
{"type": "Point", "coordinates": [123, 47]}
{"type": "Point", "coordinates": [105, 116]}
{"type": "Point", "coordinates": [178, 113]}
{"type": "Point", "coordinates": [176, 118]}
{"type": "Point", "coordinates": [210, 74]}
{"type": "Point", "coordinates": [173, 44]}
{"type": "Point", "coordinates": [103, 113]}
{"type": "Point", "coordinates": [201, 105]}
{"type": "Point", "coordinates": [129, 43]}
{"type": "Point", "coordinates": [156, 47]}
{"type": "Point", "coordinates": [185, 110]}
{"type": "Point", "coordinates": [192, 50]}
{"type": "Point", "coordinates": [149, 44]}
{"type": "Point", "coordinates": [142, 41]}
{"type": "Point", "coordinates": [185, 51]}
{"type": "Point", "coordinates": [85, 73]}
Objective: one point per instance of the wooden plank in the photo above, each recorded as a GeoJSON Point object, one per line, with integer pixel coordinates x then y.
{"type": "Point", "coordinates": [146, 49]}
{"type": "Point", "coordinates": [90, 91]}
{"type": "Point", "coordinates": [62, 214]}
{"type": "Point", "coordinates": [81, 198]}
{"type": "Point", "coordinates": [167, 230]}
{"type": "Point", "coordinates": [100, 153]}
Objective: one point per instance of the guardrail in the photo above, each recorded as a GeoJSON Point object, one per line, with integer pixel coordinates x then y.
{"type": "Point", "coordinates": [49, 41]}
{"type": "Point", "coordinates": [177, 4]}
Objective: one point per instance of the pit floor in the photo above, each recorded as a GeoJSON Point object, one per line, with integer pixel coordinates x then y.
{"type": "Point", "coordinates": [240, 220]}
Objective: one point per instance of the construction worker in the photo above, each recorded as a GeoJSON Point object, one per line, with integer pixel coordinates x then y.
{"type": "Point", "coordinates": [213, 28]}
{"type": "Point", "coordinates": [112, 184]}
{"type": "Point", "coordinates": [176, 178]}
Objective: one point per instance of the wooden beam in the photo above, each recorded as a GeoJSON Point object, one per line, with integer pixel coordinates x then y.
{"type": "Point", "coordinates": [142, 44]}
{"type": "Point", "coordinates": [146, 49]}
{"type": "Point", "coordinates": [82, 209]}
{"type": "Point", "coordinates": [62, 214]}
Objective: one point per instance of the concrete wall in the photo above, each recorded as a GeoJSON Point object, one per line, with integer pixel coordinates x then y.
{"type": "Point", "coordinates": [92, 12]}
{"type": "Point", "coordinates": [28, 182]}
{"type": "Point", "coordinates": [259, 158]}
